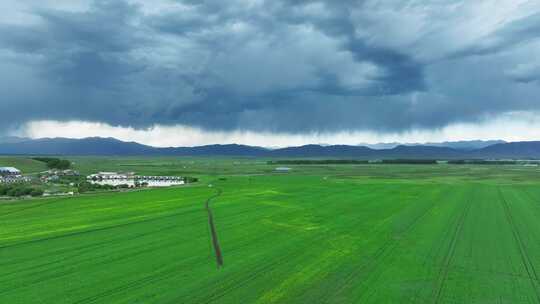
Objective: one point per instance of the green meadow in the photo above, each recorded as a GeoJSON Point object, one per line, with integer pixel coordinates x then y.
{"type": "Point", "coordinates": [26, 165]}
{"type": "Point", "coordinates": [318, 234]}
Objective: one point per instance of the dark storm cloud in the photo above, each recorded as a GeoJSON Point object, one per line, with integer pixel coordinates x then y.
{"type": "Point", "coordinates": [283, 65]}
{"type": "Point", "coordinates": [526, 76]}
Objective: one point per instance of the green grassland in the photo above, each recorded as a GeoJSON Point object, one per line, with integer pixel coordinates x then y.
{"type": "Point", "coordinates": [26, 165]}
{"type": "Point", "coordinates": [319, 234]}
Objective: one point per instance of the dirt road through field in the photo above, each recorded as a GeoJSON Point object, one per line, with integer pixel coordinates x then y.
{"type": "Point", "coordinates": [213, 232]}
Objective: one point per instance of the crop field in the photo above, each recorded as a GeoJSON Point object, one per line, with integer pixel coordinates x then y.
{"type": "Point", "coordinates": [319, 234]}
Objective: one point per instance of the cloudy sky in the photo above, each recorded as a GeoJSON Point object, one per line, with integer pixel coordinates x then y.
{"type": "Point", "coordinates": [273, 73]}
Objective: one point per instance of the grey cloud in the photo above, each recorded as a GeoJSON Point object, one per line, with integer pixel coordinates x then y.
{"type": "Point", "coordinates": [288, 66]}
{"type": "Point", "coordinates": [526, 72]}
{"type": "Point", "coordinates": [517, 32]}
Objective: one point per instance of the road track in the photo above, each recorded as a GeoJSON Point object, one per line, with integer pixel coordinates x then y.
{"type": "Point", "coordinates": [213, 230]}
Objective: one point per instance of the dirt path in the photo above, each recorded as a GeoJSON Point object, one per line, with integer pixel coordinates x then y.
{"type": "Point", "coordinates": [213, 232]}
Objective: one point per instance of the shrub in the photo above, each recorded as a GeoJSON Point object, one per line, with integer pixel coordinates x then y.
{"type": "Point", "coordinates": [55, 163]}
{"type": "Point", "coordinates": [36, 192]}
{"type": "Point", "coordinates": [189, 179]}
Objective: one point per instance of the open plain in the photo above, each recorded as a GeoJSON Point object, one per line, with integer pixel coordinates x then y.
{"type": "Point", "coordinates": [317, 234]}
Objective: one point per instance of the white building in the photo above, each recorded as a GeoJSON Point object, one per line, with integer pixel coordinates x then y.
{"type": "Point", "coordinates": [9, 171]}
{"type": "Point", "coordinates": [112, 179]}
{"type": "Point", "coordinates": [132, 180]}
{"type": "Point", "coordinates": [283, 169]}
{"type": "Point", "coordinates": [160, 181]}
{"type": "Point", "coordinates": [11, 175]}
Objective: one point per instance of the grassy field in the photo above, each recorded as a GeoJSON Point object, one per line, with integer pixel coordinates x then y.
{"type": "Point", "coordinates": [26, 165]}
{"type": "Point", "coordinates": [320, 234]}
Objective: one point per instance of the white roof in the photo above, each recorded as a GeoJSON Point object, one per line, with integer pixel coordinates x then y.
{"type": "Point", "coordinates": [9, 169]}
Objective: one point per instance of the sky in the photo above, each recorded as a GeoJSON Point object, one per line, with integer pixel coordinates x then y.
{"type": "Point", "coordinates": [270, 73]}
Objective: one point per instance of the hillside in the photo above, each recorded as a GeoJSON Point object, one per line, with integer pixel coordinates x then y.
{"type": "Point", "coordinates": [523, 149]}
{"type": "Point", "coordinates": [68, 146]}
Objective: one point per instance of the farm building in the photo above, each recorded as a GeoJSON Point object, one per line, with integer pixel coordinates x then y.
{"type": "Point", "coordinates": [283, 169]}
{"type": "Point", "coordinates": [9, 171]}
{"type": "Point", "coordinates": [112, 178]}
{"type": "Point", "coordinates": [12, 175]}
{"type": "Point", "coordinates": [160, 181]}
{"type": "Point", "coordinates": [55, 174]}
{"type": "Point", "coordinates": [132, 180]}
{"type": "Point", "coordinates": [58, 172]}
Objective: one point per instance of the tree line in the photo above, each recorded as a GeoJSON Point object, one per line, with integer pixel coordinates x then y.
{"type": "Point", "coordinates": [391, 161]}
{"type": "Point", "coordinates": [19, 190]}
{"type": "Point", "coordinates": [349, 161]}
{"type": "Point", "coordinates": [317, 162]}
{"type": "Point", "coordinates": [410, 161]}
{"type": "Point", "coordinates": [481, 162]}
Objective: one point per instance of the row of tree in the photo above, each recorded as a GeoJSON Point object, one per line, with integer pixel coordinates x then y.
{"type": "Point", "coordinates": [481, 162]}
{"type": "Point", "coordinates": [19, 189]}
{"type": "Point", "coordinates": [317, 162]}
{"type": "Point", "coordinates": [350, 161]}
{"type": "Point", "coordinates": [410, 161]}
{"type": "Point", "coordinates": [89, 187]}
{"type": "Point", "coordinates": [391, 161]}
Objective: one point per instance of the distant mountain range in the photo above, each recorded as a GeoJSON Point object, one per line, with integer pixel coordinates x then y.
{"type": "Point", "coordinates": [460, 145]}
{"type": "Point", "coordinates": [12, 139]}
{"type": "Point", "coordinates": [112, 147]}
